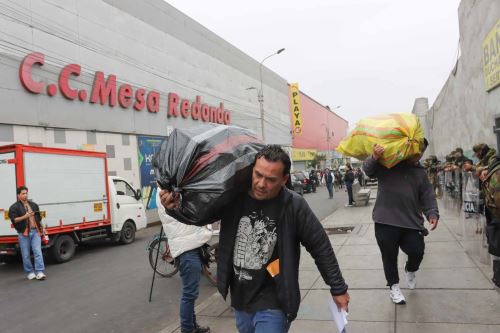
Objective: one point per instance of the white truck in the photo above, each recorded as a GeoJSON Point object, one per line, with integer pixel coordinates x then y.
{"type": "Point", "coordinates": [78, 200]}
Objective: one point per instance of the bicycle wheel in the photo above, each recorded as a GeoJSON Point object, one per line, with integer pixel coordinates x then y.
{"type": "Point", "coordinates": [210, 270]}
{"type": "Point", "coordinates": [166, 266]}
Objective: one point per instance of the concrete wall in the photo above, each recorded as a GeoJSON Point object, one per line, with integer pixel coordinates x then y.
{"type": "Point", "coordinates": [148, 44]}
{"type": "Point", "coordinates": [463, 113]}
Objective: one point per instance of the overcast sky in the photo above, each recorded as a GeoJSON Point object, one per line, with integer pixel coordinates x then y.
{"type": "Point", "coordinates": [369, 56]}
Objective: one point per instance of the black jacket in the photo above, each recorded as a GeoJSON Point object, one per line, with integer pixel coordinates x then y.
{"type": "Point", "coordinates": [349, 176]}
{"type": "Point", "coordinates": [297, 225]}
{"type": "Point", "coordinates": [18, 210]}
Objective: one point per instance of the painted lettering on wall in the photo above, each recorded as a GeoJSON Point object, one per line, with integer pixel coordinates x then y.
{"type": "Point", "coordinates": [491, 57]}
{"type": "Point", "coordinates": [104, 91]}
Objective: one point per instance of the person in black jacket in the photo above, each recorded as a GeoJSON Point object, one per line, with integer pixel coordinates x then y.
{"type": "Point", "coordinates": [349, 180]}
{"type": "Point", "coordinates": [329, 182]}
{"type": "Point", "coordinates": [259, 248]}
{"type": "Point", "coordinates": [26, 218]}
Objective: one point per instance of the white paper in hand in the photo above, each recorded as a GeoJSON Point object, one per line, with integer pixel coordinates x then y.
{"type": "Point", "coordinates": [339, 317]}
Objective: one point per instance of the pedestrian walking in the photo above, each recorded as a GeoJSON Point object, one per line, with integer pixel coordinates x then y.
{"type": "Point", "coordinates": [359, 175]}
{"type": "Point", "coordinates": [185, 242]}
{"type": "Point", "coordinates": [349, 180]}
{"type": "Point", "coordinates": [329, 179]}
{"type": "Point", "coordinates": [404, 195]}
{"type": "Point", "coordinates": [26, 218]}
{"type": "Point", "coordinates": [259, 249]}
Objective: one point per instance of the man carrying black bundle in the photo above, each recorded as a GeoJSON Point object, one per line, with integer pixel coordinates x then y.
{"type": "Point", "coordinates": [259, 248]}
{"type": "Point", "coordinates": [404, 194]}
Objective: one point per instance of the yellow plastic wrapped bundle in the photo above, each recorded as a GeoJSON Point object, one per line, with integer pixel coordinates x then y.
{"type": "Point", "coordinates": [399, 133]}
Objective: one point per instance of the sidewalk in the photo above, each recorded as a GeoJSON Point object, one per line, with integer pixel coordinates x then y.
{"type": "Point", "coordinates": [454, 292]}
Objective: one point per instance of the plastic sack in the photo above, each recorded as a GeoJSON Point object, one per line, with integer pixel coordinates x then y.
{"type": "Point", "coordinates": [399, 133]}
{"type": "Point", "coordinates": [208, 166]}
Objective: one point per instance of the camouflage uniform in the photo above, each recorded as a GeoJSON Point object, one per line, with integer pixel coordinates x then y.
{"type": "Point", "coordinates": [491, 189]}
{"type": "Point", "coordinates": [450, 182]}
{"type": "Point", "coordinates": [486, 156]}
{"type": "Point", "coordinates": [433, 167]}
{"type": "Point", "coordinates": [459, 163]}
{"type": "Point", "coordinates": [459, 157]}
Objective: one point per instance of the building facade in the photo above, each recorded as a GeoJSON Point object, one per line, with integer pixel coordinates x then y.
{"type": "Point", "coordinates": [118, 76]}
{"type": "Point", "coordinates": [320, 132]}
{"type": "Point", "coordinates": [465, 109]}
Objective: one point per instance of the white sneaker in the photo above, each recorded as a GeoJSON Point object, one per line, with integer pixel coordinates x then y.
{"type": "Point", "coordinates": [31, 276]}
{"type": "Point", "coordinates": [40, 276]}
{"type": "Point", "coordinates": [396, 294]}
{"type": "Point", "coordinates": [411, 279]}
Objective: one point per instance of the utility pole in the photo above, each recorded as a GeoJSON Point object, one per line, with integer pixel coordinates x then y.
{"type": "Point", "coordinates": [261, 93]}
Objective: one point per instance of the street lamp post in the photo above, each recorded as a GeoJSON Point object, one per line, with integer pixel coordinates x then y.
{"type": "Point", "coordinates": [328, 153]}
{"type": "Point", "coordinates": [328, 138]}
{"type": "Point", "coordinates": [261, 93]}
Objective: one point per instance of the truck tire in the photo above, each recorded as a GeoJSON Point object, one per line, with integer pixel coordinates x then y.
{"type": "Point", "coordinates": [63, 249]}
{"type": "Point", "coordinates": [127, 235]}
{"type": "Point", "coordinates": [10, 259]}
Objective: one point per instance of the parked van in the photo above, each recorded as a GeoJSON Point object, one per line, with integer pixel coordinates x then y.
{"type": "Point", "coordinates": [78, 200]}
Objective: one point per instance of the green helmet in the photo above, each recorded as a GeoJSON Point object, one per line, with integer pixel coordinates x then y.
{"type": "Point", "coordinates": [479, 147]}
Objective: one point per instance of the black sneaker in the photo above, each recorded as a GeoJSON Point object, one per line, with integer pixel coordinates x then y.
{"type": "Point", "coordinates": [199, 329]}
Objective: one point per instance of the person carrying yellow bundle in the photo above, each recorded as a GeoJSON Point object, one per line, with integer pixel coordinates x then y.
{"type": "Point", "coordinates": [399, 133]}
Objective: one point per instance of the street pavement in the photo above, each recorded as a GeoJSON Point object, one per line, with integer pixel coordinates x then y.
{"type": "Point", "coordinates": [454, 291]}
{"type": "Point", "coordinates": [105, 288]}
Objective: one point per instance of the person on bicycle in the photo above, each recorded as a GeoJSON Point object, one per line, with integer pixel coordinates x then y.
{"type": "Point", "coordinates": [259, 248]}
{"type": "Point", "coordinates": [184, 242]}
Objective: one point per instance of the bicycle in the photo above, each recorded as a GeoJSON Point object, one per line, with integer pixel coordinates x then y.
{"type": "Point", "coordinates": [167, 266]}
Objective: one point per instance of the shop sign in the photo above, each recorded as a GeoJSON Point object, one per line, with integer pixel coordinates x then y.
{"type": "Point", "coordinates": [303, 154]}
{"type": "Point", "coordinates": [491, 57]}
{"type": "Point", "coordinates": [148, 146]}
{"type": "Point", "coordinates": [295, 105]}
{"type": "Point", "coordinates": [104, 90]}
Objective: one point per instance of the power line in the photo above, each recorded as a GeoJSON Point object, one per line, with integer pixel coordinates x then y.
{"type": "Point", "coordinates": [128, 62]}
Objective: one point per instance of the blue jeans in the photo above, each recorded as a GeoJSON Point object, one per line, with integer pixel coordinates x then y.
{"type": "Point", "coordinates": [34, 242]}
{"type": "Point", "coordinates": [348, 185]}
{"type": "Point", "coordinates": [329, 187]}
{"type": "Point", "coordinates": [190, 270]}
{"type": "Point", "coordinates": [264, 321]}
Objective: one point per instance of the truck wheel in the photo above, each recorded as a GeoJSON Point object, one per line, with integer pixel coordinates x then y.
{"type": "Point", "coordinates": [63, 249]}
{"type": "Point", "coordinates": [10, 259]}
{"type": "Point", "coordinates": [127, 233]}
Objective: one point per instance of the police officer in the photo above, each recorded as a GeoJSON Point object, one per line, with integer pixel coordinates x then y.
{"type": "Point", "coordinates": [491, 190]}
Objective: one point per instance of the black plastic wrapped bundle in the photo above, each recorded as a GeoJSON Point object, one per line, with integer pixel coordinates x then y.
{"type": "Point", "coordinates": [208, 165]}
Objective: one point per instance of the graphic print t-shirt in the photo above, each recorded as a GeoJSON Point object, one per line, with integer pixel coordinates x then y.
{"type": "Point", "coordinates": [252, 287]}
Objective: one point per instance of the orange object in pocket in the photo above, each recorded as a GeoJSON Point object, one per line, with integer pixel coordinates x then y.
{"type": "Point", "coordinates": [274, 268]}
